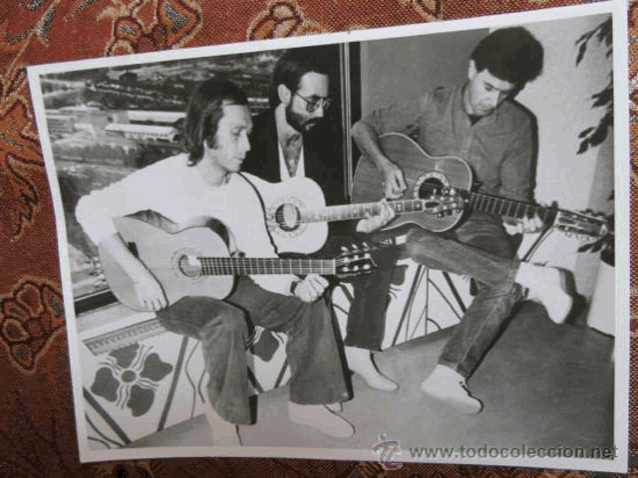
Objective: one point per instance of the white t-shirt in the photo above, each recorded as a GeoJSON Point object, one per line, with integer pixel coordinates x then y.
{"type": "Point", "coordinates": [173, 189]}
{"type": "Point", "coordinates": [283, 168]}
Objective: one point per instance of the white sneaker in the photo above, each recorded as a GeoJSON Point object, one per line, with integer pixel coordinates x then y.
{"type": "Point", "coordinates": [360, 362]}
{"type": "Point", "coordinates": [449, 386]}
{"type": "Point", "coordinates": [320, 417]}
{"type": "Point", "coordinates": [547, 286]}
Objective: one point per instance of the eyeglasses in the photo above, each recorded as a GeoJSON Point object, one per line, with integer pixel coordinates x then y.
{"type": "Point", "coordinates": [312, 105]}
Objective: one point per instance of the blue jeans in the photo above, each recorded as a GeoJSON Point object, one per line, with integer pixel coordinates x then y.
{"type": "Point", "coordinates": [480, 248]}
{"type": "Point", "coordinates": [317, 375]}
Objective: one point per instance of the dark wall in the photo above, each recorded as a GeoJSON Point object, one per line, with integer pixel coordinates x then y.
{"type": "Point", "coordinates": [404, 67]}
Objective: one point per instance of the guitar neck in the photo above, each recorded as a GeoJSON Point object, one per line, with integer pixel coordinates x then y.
{"type": "Point", "coordinates": [212, 266]}
{"type": "Point", "coordinates": [359, 211]}
{"type": "Point", "coordinates": [510, 208]}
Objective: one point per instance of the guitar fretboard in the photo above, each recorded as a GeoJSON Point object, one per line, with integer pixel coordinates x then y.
{"type": "Point", "coordinates": [510, 208]}
{"type": "Point", "coordinates": [359, 211]}
{"type": "Point", "coordinates": [255, 266]}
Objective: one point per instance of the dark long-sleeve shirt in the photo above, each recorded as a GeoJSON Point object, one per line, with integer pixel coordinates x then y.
{"type": "Point", "coordinates": [499, 147]}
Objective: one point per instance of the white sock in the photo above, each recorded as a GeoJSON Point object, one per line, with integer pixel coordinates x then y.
{"type": "Point", "coordinates": [360, 362]}
{"type": "Point", "coordinates": [546, 285]}
{"type": "Point", "coordinates": [449, 386]}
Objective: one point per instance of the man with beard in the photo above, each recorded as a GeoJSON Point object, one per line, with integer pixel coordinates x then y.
{"type": "Point", "coordinates": [292, 140]}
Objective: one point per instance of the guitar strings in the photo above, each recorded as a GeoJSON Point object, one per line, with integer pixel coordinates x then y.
{"type": "Point", "coordinates": [545, 212]}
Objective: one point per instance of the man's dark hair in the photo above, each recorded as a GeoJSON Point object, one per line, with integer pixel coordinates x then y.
{"type": "Point", "coordinates": [293, 65]}
{"type": "Point", "coordinates": [205, 109]}
{"type": "Point", "coordinates": [510, 54]}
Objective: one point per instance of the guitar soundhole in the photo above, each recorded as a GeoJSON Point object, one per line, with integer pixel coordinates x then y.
{"type": "Point", "coordinates": [288, 217]}
{"type": "Point", "coordinates": [429, 187]}
{"type": "Point", "coordinates": [188, 267]}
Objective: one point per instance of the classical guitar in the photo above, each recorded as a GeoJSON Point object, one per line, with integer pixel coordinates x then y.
{"type": "Point", "coordinates": [426, 175]}
{"type": "Point", "coordinates": [297, 215]}
{"type": "Point", "coordinates": [194, 258]}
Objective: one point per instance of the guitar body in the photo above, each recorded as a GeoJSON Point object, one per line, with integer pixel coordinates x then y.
{"type": "Point", "coordinates": [421, 172]}
{"type": "Point", "coordinates": [193, 259]}
{"type": "Point", "coordinates": [163, 247]}
{"type": "Point", "coordinates": [284, 203]}
{"type": "Point", "coordinates": [425, 174]}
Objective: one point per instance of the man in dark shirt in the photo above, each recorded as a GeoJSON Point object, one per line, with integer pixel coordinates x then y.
{"type": "Point", "coordinates": [292, 140]}
{"type": "Point", "coordinates": [479, 122]}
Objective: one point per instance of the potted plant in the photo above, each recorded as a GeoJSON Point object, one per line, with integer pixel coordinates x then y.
{"type": "Point", "coordinates": [601, 310]}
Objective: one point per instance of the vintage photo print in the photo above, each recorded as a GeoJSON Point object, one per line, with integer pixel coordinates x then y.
{"type": "Point", "coordinates": [401, 245]}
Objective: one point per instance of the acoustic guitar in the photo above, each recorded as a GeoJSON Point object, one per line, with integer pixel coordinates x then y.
{"type": "Point", "coordinates": [426, 176]}
{"type": "Point", "coordinates": [194, 258]}
{"type": "Point", "coordinates": [297, 216]}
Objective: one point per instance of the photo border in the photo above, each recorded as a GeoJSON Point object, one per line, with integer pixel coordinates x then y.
{"type": "Point", "coordinates": [622, 231]}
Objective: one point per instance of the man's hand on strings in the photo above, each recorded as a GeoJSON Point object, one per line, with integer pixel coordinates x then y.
{"type": "Point", "coordinates": [148, 291]}
{"type": "Point", "coordinates": [524, 225]}
{"type": "Point", "coordinates": [393, 180]}
{"type": "Point", "coordinates": [372, 223]}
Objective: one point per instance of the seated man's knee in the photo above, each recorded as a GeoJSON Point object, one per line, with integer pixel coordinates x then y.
{"type": "Point", "coordinates": [312, 316]}
{"type": "Point", "coordinates": [225, 319]}
{"type": "Point", "coordinates": [417, 240]}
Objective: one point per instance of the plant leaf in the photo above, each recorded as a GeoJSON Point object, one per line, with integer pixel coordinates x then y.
{"type": "Point", "coordinates": [584, 247]}
{"type": "Point", "coordinates": [585, 132]}
{"type": "Point", "coordinates": [584, 146]}
{"type": "Point", "coordinates": [581, 53]}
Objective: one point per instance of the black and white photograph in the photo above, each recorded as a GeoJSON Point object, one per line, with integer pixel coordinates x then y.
{"type": "Point", "coordinates": [399, 245]}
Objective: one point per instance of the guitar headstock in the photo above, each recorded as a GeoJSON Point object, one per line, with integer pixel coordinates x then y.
{"type": "Point", "coordinates": [586, 226]}
{"type": "Point", "coordinates": [354, 260]}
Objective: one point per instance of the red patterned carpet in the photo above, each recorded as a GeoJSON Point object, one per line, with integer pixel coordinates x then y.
{"type": "Point", "coordinates": [37, 428]}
